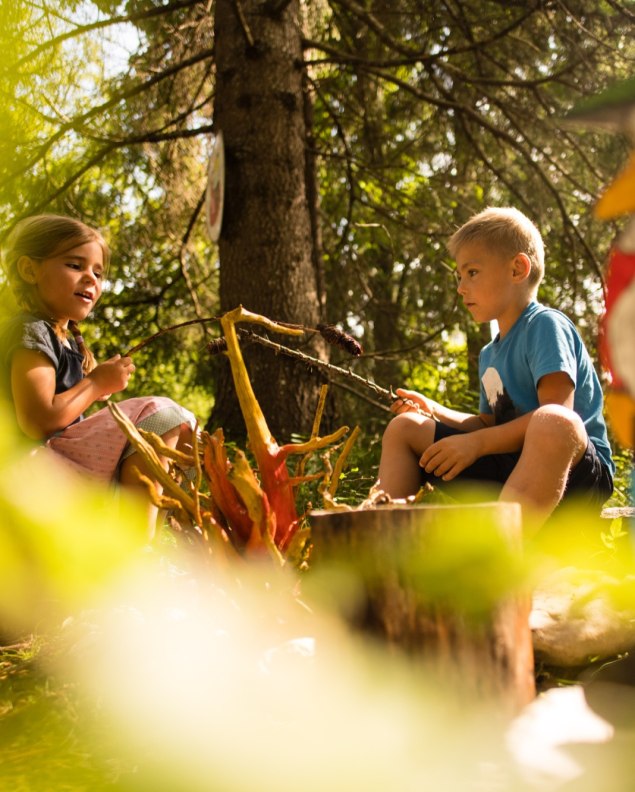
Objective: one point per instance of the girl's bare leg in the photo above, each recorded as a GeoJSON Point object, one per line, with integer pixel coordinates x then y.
{"type": "Point", "coordinates": [180, 437]}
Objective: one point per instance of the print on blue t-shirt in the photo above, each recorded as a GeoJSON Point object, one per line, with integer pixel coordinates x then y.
{"type": "Point", "coordinates": [541, 341]}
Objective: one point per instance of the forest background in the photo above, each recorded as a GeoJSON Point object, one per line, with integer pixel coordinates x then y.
{"type": "Point", "coordinates": [358, 136]}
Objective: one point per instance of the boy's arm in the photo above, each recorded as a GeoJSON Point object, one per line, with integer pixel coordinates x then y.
{"type": "Point", "coordinates": [555, 388]}
{"type": "Point", "coordinates": [467, 422]}
{"type": "Point", "coordinates": [449, 456]}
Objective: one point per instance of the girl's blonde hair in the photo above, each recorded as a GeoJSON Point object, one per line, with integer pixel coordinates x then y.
{"type": "Point", "coordinates": [508, 231]}
{"type": "Point", "coordinates": [40, 237]}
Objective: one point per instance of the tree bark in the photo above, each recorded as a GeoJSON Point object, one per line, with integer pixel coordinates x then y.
{"type": "Point", "coordinates": [399, 555]}
{"type": "Point", "coordinates": [266, 243]}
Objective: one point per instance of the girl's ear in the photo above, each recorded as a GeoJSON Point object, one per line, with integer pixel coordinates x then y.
{"type": "Point", "coordinates": [27, 269]}
{"type": "Point", "coordinates": [521, 266]}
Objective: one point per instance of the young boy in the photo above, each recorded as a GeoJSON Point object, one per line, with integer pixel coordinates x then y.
{"type": "Point", "coordinates": [540, 432]}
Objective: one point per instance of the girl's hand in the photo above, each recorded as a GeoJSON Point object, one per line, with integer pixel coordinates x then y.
{"type": "Point", "coordinates": [113, 375]}
{"type": "Point", "coordinates": [412, 401]}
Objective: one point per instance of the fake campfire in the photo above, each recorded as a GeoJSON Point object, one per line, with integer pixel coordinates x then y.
{"type": "Point", "coordinates": [233, 507]}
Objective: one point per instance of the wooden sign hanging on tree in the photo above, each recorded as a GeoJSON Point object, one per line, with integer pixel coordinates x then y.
{"type": "Point", "coordinates": [215, 193]}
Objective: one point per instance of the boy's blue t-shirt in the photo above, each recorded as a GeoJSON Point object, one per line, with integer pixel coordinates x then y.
{"type": "Point", "coordinates": [541, 341]}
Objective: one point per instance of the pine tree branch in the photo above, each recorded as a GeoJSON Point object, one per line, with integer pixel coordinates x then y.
{"type": "Point", "coordinates": [74, 124]}
{"type": "Point", "coordinates": [80, 30]}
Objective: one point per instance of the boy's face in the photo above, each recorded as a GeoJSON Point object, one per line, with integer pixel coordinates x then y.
{"type": "Point", "coordinates": [488, 283]}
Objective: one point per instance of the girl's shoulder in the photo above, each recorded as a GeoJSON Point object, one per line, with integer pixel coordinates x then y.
{"type": "Point", "coordinates": [23, 319]}
{"type": "Point", "coordinates": [27, 331]}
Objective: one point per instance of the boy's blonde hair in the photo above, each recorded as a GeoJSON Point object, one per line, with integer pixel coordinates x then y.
{"type": "Point", "coordinates": [508, 231]}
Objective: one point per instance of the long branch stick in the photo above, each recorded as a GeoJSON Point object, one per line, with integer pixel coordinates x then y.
{"type": "Point", "coordinates": [314, 362]}
{"type": "Point", "coordinates": [308, 360]}
{"type": "Point", "coordinates": [311, 361]}
{"type": "Point", "coordinates": [165, 330]}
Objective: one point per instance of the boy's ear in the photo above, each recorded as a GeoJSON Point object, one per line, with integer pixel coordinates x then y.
{"type": "Point", "coordinates": [521, 266]}
{"type": "Point", "coordinates": [27, 269]}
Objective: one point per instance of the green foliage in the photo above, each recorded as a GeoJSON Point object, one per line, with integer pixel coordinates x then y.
{"type": "Point", "coordinates": [62, 538]}
{"type": "Point", "coordinates": [358, 476]}
{"type": "Point", "coordinates": [419, 118]}
{"type": "Point", "coordinates": [615, 533]}
{"type": "Point", "coordinates": [43, 748]}
{"type": "Point", "coordinates": [446, 378]}
{"type": "Point", "coordinates": [623, 477]}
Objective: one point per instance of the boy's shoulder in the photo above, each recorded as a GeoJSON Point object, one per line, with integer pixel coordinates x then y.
{"type": "Point", "coordinates": [536, 310]}
{"type": "Point", "coordinates": [548, 319]}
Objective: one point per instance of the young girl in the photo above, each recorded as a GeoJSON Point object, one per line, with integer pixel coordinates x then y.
{"type": "Point", "coordinates": [55, 266]}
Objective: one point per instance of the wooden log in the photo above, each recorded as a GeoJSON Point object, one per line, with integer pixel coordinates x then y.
{"type": "Point", "coordinates": [435, 582]}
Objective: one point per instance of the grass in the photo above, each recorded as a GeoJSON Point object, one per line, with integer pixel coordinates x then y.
{"type": "Point", "coordinates": [41, 727]}
{"type": "Point", "coordinates": [54, 740]}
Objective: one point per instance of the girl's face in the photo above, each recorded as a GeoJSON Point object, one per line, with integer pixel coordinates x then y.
{"type": "Point", "coordinates": [69, 284]}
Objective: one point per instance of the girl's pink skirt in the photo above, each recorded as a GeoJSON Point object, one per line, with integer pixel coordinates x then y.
{"type": "Point", "coordinates": [97, 445]}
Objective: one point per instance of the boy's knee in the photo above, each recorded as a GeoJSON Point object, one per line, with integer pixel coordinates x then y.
{"type": "Point", "coordinates": [557, 415]}
{"type": "Point", "coordinates": [553, 424]}
{"type": "Point", "coordinates": [405, 426]}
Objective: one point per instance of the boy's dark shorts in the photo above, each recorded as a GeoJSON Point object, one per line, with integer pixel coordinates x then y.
{"type": "Point", "coordinates": [589, 481]}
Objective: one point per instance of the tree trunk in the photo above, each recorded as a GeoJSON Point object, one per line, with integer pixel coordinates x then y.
{"type": "Point", "coordinates": [419, 585]}
{"type": "Point", "coordinates": [266, 242]}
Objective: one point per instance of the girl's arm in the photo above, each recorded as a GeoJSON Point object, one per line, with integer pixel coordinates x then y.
{"type": "Point", "coordinates": [39, 410]}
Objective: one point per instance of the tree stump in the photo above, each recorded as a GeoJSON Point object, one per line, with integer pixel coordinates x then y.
{"type": "Point", "coordinates": [440, 583]}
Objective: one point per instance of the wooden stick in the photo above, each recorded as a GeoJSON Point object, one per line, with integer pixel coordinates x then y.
{"type": "Point", "coordinates": [308, 360]}
{"type": "Point", "coordinates": [165, 330]}
{"type": "Point", "coordinates": [311, 361]}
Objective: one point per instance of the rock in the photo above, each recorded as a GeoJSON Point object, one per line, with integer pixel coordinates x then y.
{"type": "Point", "coordinates": [575, 619]}
{"type": "Point", "coordinates": [539, 738]}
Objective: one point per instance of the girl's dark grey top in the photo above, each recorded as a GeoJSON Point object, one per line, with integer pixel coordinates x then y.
{"type": "Point", "coordinates": [26, 331]}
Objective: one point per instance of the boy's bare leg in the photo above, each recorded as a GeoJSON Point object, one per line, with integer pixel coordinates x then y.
{"type": "Point", "coordinates": [406, 438]}
{"type": "Point", "coordinates": [555, 442]}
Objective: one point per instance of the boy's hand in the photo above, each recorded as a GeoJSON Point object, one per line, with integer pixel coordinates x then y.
{"type": "Point", "coordinates": [412, 401]}
{"type": "Point", "coordinates": [113, 375]}
{"type": "Point", "coordinates": [448, 457]}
